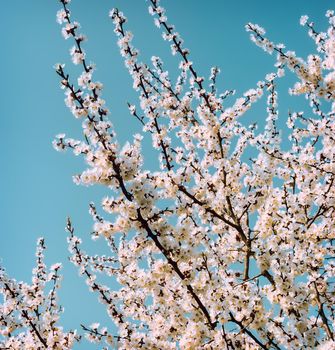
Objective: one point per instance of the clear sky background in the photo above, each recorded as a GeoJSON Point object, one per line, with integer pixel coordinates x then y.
{"type": "Point", "coordinates": [37, 192]}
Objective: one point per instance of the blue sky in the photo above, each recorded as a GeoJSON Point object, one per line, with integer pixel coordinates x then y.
{"type": "Point", "coordinates": [37, 192]}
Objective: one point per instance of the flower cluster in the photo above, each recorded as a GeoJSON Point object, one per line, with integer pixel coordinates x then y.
{"type": "Point", "coordinates": [214, 249]}
{"type": "Point", "coordinates": [30, 313]}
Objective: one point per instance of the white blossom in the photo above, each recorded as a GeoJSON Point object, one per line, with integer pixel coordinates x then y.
{"type": "Point", "coordinates": [229, 242]}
